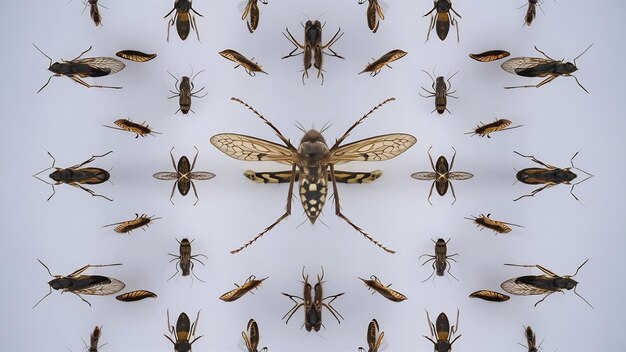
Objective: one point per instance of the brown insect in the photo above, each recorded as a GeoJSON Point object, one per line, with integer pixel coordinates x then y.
{"type": "Point", "coordinates": [313, 163]}
{"type": "Point", "coordinates": [129, 225]}
{"type": "Point", "coordinates": [491, 296]}
{"type": "Point", "coordinates": [496, 225]}
{"type": "Point", "coordinates": [133, 296]}
{"type": "Point", "coordinates": [442, 333]}
{"type": "Point", "coordinates": [184, 176]}
{"type": "Point", "coordinates": [183, 18]}
{"type": "Point", "coordinates": [441, 176]}
{"type": "Point", "coordinates": [250, 284]}
{"type": "Point", "coordinates": [491, 55]}
{"type": "Point", "coordinates": [440, 259]}
{"type": "Point", "coordinates": [374, 11]}
{"type": "Point", "coordinates": [441, 92]}
{"type": "Point", "coordinates": [531, 11]}
{"type": "Point", "coordinates": [252, 338]}
{"type": "Point", "coordinates": [531, 340]}
{"type": "Point", "coordinates": [252, 9]}
{"type": "Point", "coordinates": [184, 92]}
{"type": "Point", "coordinates": [375, 284]}
{"type": "Point", "coordinates": [94, 13]}
{"type": "Point", "coordinates": [341, 176]}
{"type": "Point", "coordinates": [93, 339]}
{"type": "Point", "coordinates": [136, 56]}
{"type": "Point", "coordinates": [183, 332]}
{"type": "Point", "coordinates": [378, 64]}
{"type": "Point", "coordinates": [442, 19]}
{"type": "Point", "coordinates": [485, 129]}
{"type": "Point", "coordinates": [185, 259]}
{"type": "Point", "coordinates": [133, 127]}
{"type": "Point", "coordinates": [250, 66]}
{"type": "Point", "coordinates": [374, 339]}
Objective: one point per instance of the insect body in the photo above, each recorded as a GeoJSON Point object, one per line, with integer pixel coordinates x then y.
{"type": "Point", "coordinates": [374, 339]}
{"type": "Point", "coordinates": [133, 296]}
{"type": "Point", "coordinates": [80, 68]}
{"type": "Point", "coordinates": [490, 296]}
{"type": "Point", "coordinates": [83, 284]}
{"type": "Point", "coordinates": [374, 11]}
{"type": "Point", "coordinates": [441, 92]}
{"type": "Point", "coordinates": [184, 92]}
{"type": "Point", "coordinates": [94, 338]}
{"type": "Point", "coordinates": [133, 127]}
{"type": "Point", "coordinates": [540, 67]}
{"type": "Point", "coordinates": [491, 55]}
{"type": "Point", "coordinates": [234, 294]}
{"type": "Point", "coordinates": [531, 11]}
{"type": "Point", "coordinates": [184, 176]}
{"type": "Point", "coordinates": [442, 19]}
{"type": "Point", "coordinates": [185, 259]}
{"type": "Point", "coordinates": [183, 18]}
{"type": "Point", "coordinates": [252, 9]}
{"type": "Point", "coordinates": [313, 49]}
{"type": "Point", "coordinates": [137, 223]}
{"type": "Point", "coordinates": [531, 340]}
{"type": "Point", "coordinates": [252, 338]}
{"type": "Point", "coordinates": [495, 225]}
{"type": "Point", "coordinates": [134, 55]}
{"type": "Point", "coordinates": [94, 12]}
{"type": "Point", "coordinates": [183, 332]}
{"type": "Point", "coordinates": [442, 333]}
{"type": "Point", "coordinates": [442, 175]}
{"type": "Point", "coordinates": [488, 128]}
{"type": "Point", "coordinates": [375, 284]}
{"type": "Point", "coordinates": [313, 163]}
{"type": "Point", "coordinates": [440, 259]}
{"type": "Point", "coordinates": [375, 67]}
{"type": "Point", "coordinates": [250, 66]}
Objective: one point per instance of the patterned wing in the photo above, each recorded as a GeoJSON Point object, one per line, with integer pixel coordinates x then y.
{"type": "Point", "coordinates": [459, 175]}
{"type": "Point", "coordinates": [249, 148]}
{"type": "Point", "coordinates": [166, 176]}
{"type": "Point", "coordinates": [201, 175]}
{"type": "Point", "coordinates": [103, 288]}
{"type": "Point", "coordinates": [103, 63]}
{"type": "Point", "coordinates": [521, 289]}
{"type": "Point", "coordinates": [521, 63]}
{"type": "Point", "coordinates": [424, 175]}
{"type": "Point", "coordinates": [377, 148]}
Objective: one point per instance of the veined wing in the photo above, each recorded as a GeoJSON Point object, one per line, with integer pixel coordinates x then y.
{"type": "Point", "coordinates": [103, 288]}
{"type": "Point", "coordinates": [377, 148]}
{"type": "Point", "coordinates": [521, 289]}
{"type": "Point", "coordinates": [459, 175]}
{"type": "Point", "coordinates": [201, 175]}
{"type": "Point", "coordinates": [520, 63]}
{"type": "Point", "coordinates": [167, 176]}
{"type": "Point", "coordinates": [103, 63]}
{"type": "Point", "coordinates": [247, 148]}
{"type": "Point", "coordinates": [424, 175]}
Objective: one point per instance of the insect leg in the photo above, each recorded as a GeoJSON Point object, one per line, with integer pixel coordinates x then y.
{"type": "Point", "coordinates": [280, 135]}
{"type": "Point", "coordinates": [547, 80]}
{"type": "Point", "coordinates": [580, 85]}
{"type": "Point", "coordinates": [93, 194]}
{"type": "Point", "coordinates": [430, 193]}
{"type": "Point", "coordinates": [78, 80]}
{"type": "Point", "coordinates": [332, 310]}
{"type": "Point", "coordinates": [544, 297]}
{"type": "Point", "coordinates": [79, 296]}
{"type": "Point", "coordinates": [536, 160]}
{"type": "Point", "coordinates": [430, 27]}
{"type": "Point", "coordinates": [50, 287]}
{"type": "Point", "coordinates": [77, 272]}
{"type": "Point", "coordinates": [433, 273]}
{"type": "Point", "coordinates": [294, 308]}
{"type": "Point", "coordinates": [194, 274]}
{"type": "Point", "coordinates": [453, 194]}
{"type": "Point", "coordinates": [44, 86]}
{"type": "Point", "coordinates": [173, 189]}
{"type": "Point", "coordinates": [532, 194]}
{"type": "Point", "coordinates": [544, 54]}
{"type": "Point", "coordinates": [175, 272]}
{"type": "Point", "coordinates": [345, 135]}
{"type": "Point", "coordinates": [93, 157]}
{"type": "Point", "coordinates": [431, 11]}
{"type": "Point", "coordinates": [194, 25]}
{"type": "Point", "coordinates": [81, 54]}
{"type": "Point", "coordinates": [432, 94]}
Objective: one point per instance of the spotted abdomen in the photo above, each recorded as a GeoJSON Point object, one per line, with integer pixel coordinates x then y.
{"type": "Point", "coordinates": [313, 196]}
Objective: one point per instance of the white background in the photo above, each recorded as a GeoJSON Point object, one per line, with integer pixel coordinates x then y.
{"type": "Point", "coordinates": [65, 119]}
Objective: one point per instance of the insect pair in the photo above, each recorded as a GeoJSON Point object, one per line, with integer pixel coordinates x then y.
{"type": "Point", "coordinates": [441, 176]}
{"type": "Point", "coordinates": [184, 176]}
{"type": "Point", "coordinates": [183, 332]}
{"type": "Point", "coordinates": [183, 18]}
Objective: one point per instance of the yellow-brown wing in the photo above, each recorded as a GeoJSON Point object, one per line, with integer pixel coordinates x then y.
{"type": "Point", "coordinates": [377, 148]}
{"type": "Point", "coordinates": [247, 148]}
{"type": "Point", "coordinates": [459, 175]}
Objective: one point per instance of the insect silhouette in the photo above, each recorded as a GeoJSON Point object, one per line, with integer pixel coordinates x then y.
{"type": "Point", "coordinates": [250, 66]}
{"type": "Point", "coordinates": [540, 67]}
{"type": "Point", "coordinates": [313, 49]}
{"type": "Point", "coordinates": [134, 296]}
{"type": "Point", "coordinates": [441, 176]}
{"type": "Point", "coordinates": [78, 68]}
{"type": "Point", "coordinates": [531, 340]}
{"type": "Point", "coordinates": [236, 293]}
{"type": "Point", "coordinates": [313, 164]}
{"type": "Point", "coordinates": [442, 333]}
{"type": "Point", "coordinates": [252, 338]}
{"type": "Point", "coordinates": [93, 340]}
{"type": "Point", "coordinates": [491, 55]}
{"type": "Point", "coordinates": [375, 284]}
{"type": "Point", "coordinates": [184, 92]}
{"type": "Point", "coordinates": [531, 11]}
{"type": "Point", "coordinates": [545, 284]}
{"type": "Point", "coordinates": [77, 176]}
{"type": "Point", "coordinates": [441, 92]}
{"type": "Point", "coordinates": [252, 9]}
{"type": "Point", "coordinates": [442, 19]}
{"type": "Point", "coordinates": [133, 127]}
{"type": "Point", "coordinates": [184, 176]}
{"type": "Point", "coordinates": [374, 339]}
{"type": "Point", "coordinates": [313, 304]}
{"type": "Point", "coordinates": [94, 12]}
{"type": "Point", "coordinates": [183, 18]}
{"type": "Point", "coordinates": [134, 55]}
{"type": "Point", "coordinates": [185, 259]}
{"type": "Point", "coordinates": [183, 332]}
{"type": "Point", "coordinates": [378, 64]}
{"type": "Point", "coordinates": [129, 225]}
{"type": "Point", "coordinates": [374, 12]}
{"type": "Point", "coordinates": [548, 176]}
{"type": "Point", "coordinates": [490, 296]}
{"type": "Point", "coordinates": [495, 225]}
{"type": "Point", "coordinates": [83, 284]}
{"type": "Point", "coordinates": [440, 259]}
{"type": "Point", "coordinates": [485, 129]}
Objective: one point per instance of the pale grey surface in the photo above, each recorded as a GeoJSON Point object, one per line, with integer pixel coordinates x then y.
{"type": "Point", "coordinates": [66, 232]}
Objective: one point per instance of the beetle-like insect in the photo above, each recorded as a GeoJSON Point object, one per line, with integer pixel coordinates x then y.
{"type": "Point", "coordinates": [541, 284]}
{"type": "Point", "coordinates": [440, 259]}
{"type": "Point", "coordinates": [485, 129]}
{"type": "Point", "coordinates": [184, 175]}
{"type": "Point", "coordinates": [374, 339]}
{"type": "Point", "coordinates": [442, 333]}
{"type": "Point", "coordinates": [83, 284]}
{"type": "Point", "coordinates": [78, 68]}
{"type": "Point", "coordinates": [531, 340]}
{"type": "Point", "coordinates": [313, 304]}
{"type": "Point", "coordinates": [378, 64]}
{"type": "Point", "coordinates": [185, 259]}
{"type": "Point", "coordinates": [236, 293]}
{"type": "Point", "coordinates": [94, 12]}
{"type": "Point", "coordinates": [375, 284]}
{"type": "Point", "coordinates": [441, 92]}
{"type": "Point", "coordinates": [548, 175]}
{"type": "Point", "coordinates": [374, 12]}
{"type": "Point", "coordinates": [129, 225]}
{"type": "Point", "coordinates": [250, 66]}
{"type": "Point", "coordinates": [491, 55]}
{"type": "Point", "coordinates": [540, 67]}
{"type": "Point", "coordinates": [133, 127]}
{"type": "Point", "coordinates": [313, 49]}
{"type": "Point", "coordinates": [77, 176]}
{"type": "Point", "coordinates": [134, 55]}
{"type": "Point", "coordinates": [491, 296]}
{"type": "Point", "coordinates": [531, 11]}
{"type": "Point", "coordinates": [313, 163]}
{"type": "Point", "coordinates": [441, 176]}
{"type": "Point", "coordinates": [252, 9]}
{"type": "Point", "coordinates": [137, 295]}
{"type": "Point", "coordinates": [442, 19]}
{"type": "Point", "coordinates": [184, 92]}
{"type": "Point", "coordinates": [183, 18]}
{"type": "Point", "coordinates": [252, 338]}
{"type": "Point", "coordinates": [495, 225]}
{"type": "Point", "coordinates": [183, 332]}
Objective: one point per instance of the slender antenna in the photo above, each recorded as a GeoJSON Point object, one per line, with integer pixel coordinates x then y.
{"type": "Point", "coordinates": [581, 297]}
{"type": "Point", "coordinates": [581, 265]}
{"type": "Point", "coordinates": [44, 265]}
{"type": "Point", "coordinates": [44, 54]}
{"type": "Point", "coordinates": [581, 54]}
{"type": "Point", "coordinates": [44, 297]}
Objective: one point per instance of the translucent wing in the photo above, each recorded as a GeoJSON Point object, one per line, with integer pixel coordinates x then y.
{"type": "Point", "coordinates": [377, 148]}
{"type": "Point", "coordinates": [103, 63]}
{"type": "Point", "coordinates": [103, 288]}
{"type": "Point", "coordinates": [201, 175]}
{"type": "Point", "coordinates": [459, 175]}
{"type": "Point", "coordinates": [424, 176]}
{"type": "Point", "coordinates": [249, 148]}
{"type": "Point", "coordinates": [521, 289]}
{"type": "Point", "coordinates": [520, 63]}
{"type": "Point", "coordinates": [166, 176]}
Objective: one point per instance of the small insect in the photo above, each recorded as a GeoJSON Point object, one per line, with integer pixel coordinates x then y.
{"type": "Point", "coordinates": [184, 176]}
{"type": "Point", "coordinates": [485, 129]}
{"type": "Point", "coordinates": [78, 68]}
{"type": "Point", "coordinates": [136, 56]}
{"type": "Point", "coordinates": [490, 296]}
{"type": "Point", "coordinates": [496, 225]}
{"type": "Point", "coordinates": [77, 176]}
{"type": "Point", "coordinates": [440, 259]}
{"type": "Point", "coordinates": [93, 339]}
{"type": "Point", "coordinates": [531, 340]}
{"type": "Point", "coordinates": [184, 92]}
{"type": "Point", "coordinates": [442, 175]}
{"type": "Point", "coordinates": [374, 11]}
{"type": "Point", "coordinates": [442, 19]}
{"type": "Point", "coordinates": [540, 67]}
{"type": "Point", "coordinates": [250, 66]}
{"type": "Point", "coordinates": [375, 284]}
{"type": "Point", "coordinates": [442, 333]}
{"type": "Point", "coordinates": [378, 64]}
{"type": "Point", "coordinates": [183, 332]}
{"type": "Point", "coordinates": [252, 8]}
{"type": "Point", "coordinates": [548, 176]}
{"type": "Point", "coordinates": [441, 92]}
{"type": "Point", "coordinates": [94, 12]}
{"type": "Point", "coordinates": [491, 55]}
{"type": "Point", "coordinates": [133, 127]}
{"type": "Point", "coordinates": [183, 18]}
{"type": "Point", "coordinates": [83, 284]}
{"type": "Point", "coordinates": [133, 296]}
{"type": "Point", "coordinates": [185, 259]}
{"type": "Point", "coordinates": [129, 225]}
{"type": "Point", "coordinates": [252, 338]}
{"type": "Point", "coordinates": [374, 339]}
{"type": "Point", "coordinates": [313, 306]}
{"type": "Point", "coordinates": [250, 284]}
{"type": "Point", "coordinates": [313, 49]}
{"type": "Point", "coordinates": [531, 11]}
{"type": "Point", "coordinates": [313, 163]}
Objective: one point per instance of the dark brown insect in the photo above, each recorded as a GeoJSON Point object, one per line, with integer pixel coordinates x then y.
{"type": "Point", "coordinates": [184, 92]}
{"type": "Point", "coordinates": [94, 13]}
{"type": "Point", "coordinates": [313, 49]}
{"type": "Point", "coordinates": [531, 340]}
{"type": "Point", "coordinates": [252, 8]}
{"type": "Point", "coordinates": [313, 163]}
{"type": "Point", "coordinates": [542, 284]}
{"type": "Point", "coordinates": [183, 18]}
{"type": "Point", "coordinates": [496, 225]}
{"type": "Point", "coordinates": [491, 55]}
{"type": "Point", "coordinates": [441, 92]}
{"type": "Point", "coordinates": [133, 127]}
{"type": "Point", "coordinates": [252, 338]}
{"type": "Point", "coordinates": [531, 11]}
{"type": "Point", "coordinates": [77, 176]}
{"type": "Point", "coordinates": [440, 259]}
{"type": "Point", "coordinates": [133, 296]}
{"type": "Point", "coordinates": [234, 294]}
{"type": "Point", "coordinates": [185, 259]}
{"type": "Point", "coordinates": [129, 225]}
{"type": "Point", "coordinates": [491, 296]}
{"type": "Point", "coordinates": [485, 129]}
{"type": "Point", "coordinates": [378, 64]}
{"type": "Point", "coordinates": [250, 66]}
{"type": "Point", "coordinates": [548, 176]}
{"type": "Point", "coordinates": [184, 176]}
{"type": "Point", "coordinates": [374, 339]}
{"type": "Point", "coordinates": [83, 284]}
{"type": "Point", "coordinates": [78, 68]}
{"type": "Point", "coordinates": [442, 19]}
{"type": "Point", "coordinates": [540, 67]}
{"type": "Point", "coordinates": [442, 333]}
{"type": "Point", "coordinates": [375, 284]}
{"type": "Point", "coordinates": [134, 55]}
{"type": "Point", "coordinates": [374, 11]}
{"type": "Point", "coordinates": [183, 332]}
{"type": "Point", "coordinates": [93, 339]}
{"type": "Point", "coordinates": [442, 175]}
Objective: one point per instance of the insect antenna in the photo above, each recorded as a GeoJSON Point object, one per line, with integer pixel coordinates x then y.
{"type": "Point", "coordinates": [347, 133]}
{"type": "Point", "coordinates": [326, 126]}
{"type": "Point", "coordinates": [581, 297]}
{"type": "Point", "coordinates": [581, 54]}
{"type": "Point", "coordinates": [300, 127]}
{"type": "Point", "coordinates": [280, 135]}
{"type": "Point", "coordinates": [581, 265]}
{"type": "Point", "coordinates": [44, 54]}
{"type": "Point", "coordinates": [580, 85]}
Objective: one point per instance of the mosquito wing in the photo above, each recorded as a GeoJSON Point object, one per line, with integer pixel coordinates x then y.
{"type": "Point", "coordinates": [517, 64]}
{"type": "Point", "coordinates": [515, 287]}
{"type": "Point", "coordinates": [249, 148]}
{"type": "Point", "coordinates": [377, 148]}
{"type": "Point", "coordinates": [167, 176]}
{"type": "Point", "coordinates": [424, 175]}
{"type": "Point", "coordinates": [201, 175]}
{"type": "Point", "coordinates": [102, 63]}
{"type": "Point", "coordinates": [459, 175]}
{"type": "Point", "coordinates": [103, 288]}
